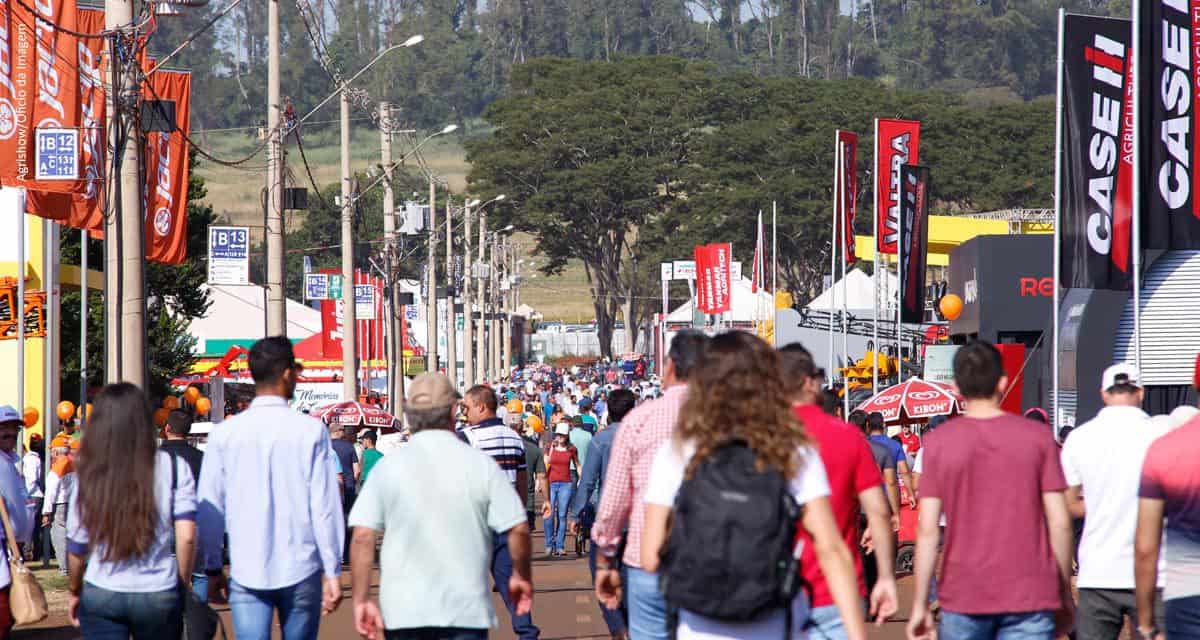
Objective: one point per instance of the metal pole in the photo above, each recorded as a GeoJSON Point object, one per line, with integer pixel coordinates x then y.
{"type": "Point", "coordinates": [1058, 132]}
{"type": "Point", "coordinates": [19, 308]}
{"type": "Point", "coordinates": [833, 251]}
{"type": "Point", "coordinates": [468, 320]}
{"type": "Point", "coordinates": [875, 279]}
{"type": "Point", "coordinates": [349, 320]}
{"type": "Point", "coordinates": [481, 339]}
{"type": "Point", "coordinates": [451, 322]}
{"type": "Point", "coordinates": [843, 231]}
{"type": "Point", "coordinates": [1136, 239]}
{"type": "Point", "coordinates": [83, 328]}
{"type": "Point", "coordinates": [276, 301]}
{"type": "Point", "coordinates": [431, 323]}
{"type": "Point", "coordinates": [52, 283]}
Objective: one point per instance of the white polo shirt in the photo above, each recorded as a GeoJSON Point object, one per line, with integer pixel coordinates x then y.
{"type": "Point", "coordinates": [1104, 456]}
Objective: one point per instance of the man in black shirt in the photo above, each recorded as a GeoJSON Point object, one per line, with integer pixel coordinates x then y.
{"type": "Point", "coordinates": [343, 448]}
{"type": "Point", "coordinates": [179, 425]}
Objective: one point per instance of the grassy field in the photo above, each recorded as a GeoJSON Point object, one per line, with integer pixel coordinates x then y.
{"type": "Point", "coordinates": [235, 195]}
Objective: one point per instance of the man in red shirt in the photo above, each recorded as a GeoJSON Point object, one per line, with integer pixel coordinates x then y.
{"type": "Point", "coordinates": [855, 483]}
{"type": "Point", "coordinates": [909, 440]}
{"type": "Point", "coordinates": [1006, 569]}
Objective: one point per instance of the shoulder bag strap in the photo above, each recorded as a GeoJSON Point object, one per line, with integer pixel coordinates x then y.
{"type": "Point", "coordinates": [9, 534]}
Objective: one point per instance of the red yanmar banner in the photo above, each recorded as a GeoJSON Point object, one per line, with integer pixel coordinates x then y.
{"type": "Point", "coordinates": [846, 205]}
{"type": "Point", "coordinates": [81, 209]}
{"type": "Point", "coordinates": [897, 143]}
{"type": "Point", "coordinates": [166, 160]}
{"type": "Point", "coordinates": [38, 89]}
{"type": "Point", "coordinates": [713, 278]}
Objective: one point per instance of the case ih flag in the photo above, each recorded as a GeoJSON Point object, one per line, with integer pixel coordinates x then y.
{"type": "Point", "coordinates": [897, 143]}
{"type": "Point", "coordinates": [1170, 65]}
{"type": "Point", "coordinates": [914, 238]}
{"type": "Point", "coordinates": [847, 147]}
{"type": "Point", "coordinates": [1096, 112]}
{"type": "Point", "coordinates": [166, 159]}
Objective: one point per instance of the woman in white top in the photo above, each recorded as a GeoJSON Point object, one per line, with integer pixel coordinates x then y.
{"type": "Point", "coordinates": [736, 392]}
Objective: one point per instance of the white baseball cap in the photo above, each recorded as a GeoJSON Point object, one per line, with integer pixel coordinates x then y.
{"type": "Point", "coordinates": [9, 414]}
{"type": "Point", "coordinates": [1121, 373]}
{"type": "Point", "coordinates": [563, 429]}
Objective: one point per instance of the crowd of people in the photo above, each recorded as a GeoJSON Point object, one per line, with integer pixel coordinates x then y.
{"type": "Point", "coordinates": [723, 498]}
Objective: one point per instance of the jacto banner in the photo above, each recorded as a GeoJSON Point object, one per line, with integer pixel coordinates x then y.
{"type": "Point", "coordinates": [1096, 195]}
{"type": "Point", "coordinates": [81, 209]}
{"type": "Point", "coordinates": [914, 238]}
{"type": "Point", "coordinates": [1170, 63]}
{"type": "Point", "coordinates": [848, 202]}
{"type": "Point", "coordinates": [897, 143]}
{"type": "Point", "coordinates": [38, 89]}
{"type": "Point", "coordinates": [167, 169]}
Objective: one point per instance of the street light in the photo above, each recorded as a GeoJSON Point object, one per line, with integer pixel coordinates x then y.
{"type": "Point", "coordinates": [414, 40]}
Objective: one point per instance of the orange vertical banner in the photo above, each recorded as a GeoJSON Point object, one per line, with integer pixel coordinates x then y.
{"type": "Point", "coordinates": [167, 171]}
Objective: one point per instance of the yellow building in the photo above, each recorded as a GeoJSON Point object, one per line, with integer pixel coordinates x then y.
{"type": "Point", "coordinates": [947, 232]}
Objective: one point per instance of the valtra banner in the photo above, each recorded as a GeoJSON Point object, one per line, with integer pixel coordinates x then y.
{"type": "Point", "coordinates": [38, 86]}
{"type": "Point", "coordinates": [897, 143]}
{"type": "Point", "coordinates": [1170, 64]}
{"type": "Point", "coordinates": [1096, 217]}
{"type": "Point", "coordinates": [848, 202]}
{"type": "Point", "coordinates": [166, 160]}
{"type": "Point", "coordinates": [914, 237]}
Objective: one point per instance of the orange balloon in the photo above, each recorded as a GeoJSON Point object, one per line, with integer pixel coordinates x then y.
{"type": "Point", "coordinates": [170, 402]}
{"type": "Point", "coordinates": [515, 406]}
{"type": "Point", "coordinates": [83, 412]}
{"type": "Point", "coordinates": [65, 410]}
{"type": "Point", "coordinates": [31, 416]}
{"type": "Point", "coordinates": [203, 405]}
{"type": "Point", "coordinates": [951, 306]}
{"type": "Point", "coordinates": [160, 416]}
{"type": "Point", "coordinates": [192, 394]}
{"type": "Point", "coordinates": [535, 423]}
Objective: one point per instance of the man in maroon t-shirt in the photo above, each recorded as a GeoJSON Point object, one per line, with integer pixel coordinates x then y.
{"type": "Point", "coordinates": [854, 481]}
{"type": "Point", "coordinates": [1006, 567]}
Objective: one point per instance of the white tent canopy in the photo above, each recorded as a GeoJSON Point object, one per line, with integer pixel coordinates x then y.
{"type": "Point", "coordinates": [855, 289]}
{"type": "Point", "coordinates": [236, 313]}
{"type": "Point", "coordinates": [745, 305]}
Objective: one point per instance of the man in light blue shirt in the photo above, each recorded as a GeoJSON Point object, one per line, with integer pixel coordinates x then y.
{"type": "Point", "coordinates": [269, 477]}
{"type": "Point", "coordinates": [434, 569]}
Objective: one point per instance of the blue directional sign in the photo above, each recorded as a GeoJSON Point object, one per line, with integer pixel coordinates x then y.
{"type": "Point", "coordinates": [57, 154]}
{"type": "Point", "coordinates": [316, 286]}
{"type": "Point", "coordinates": [228, 255]}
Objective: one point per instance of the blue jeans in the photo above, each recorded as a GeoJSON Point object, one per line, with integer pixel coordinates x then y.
{"type": "Point", "coordinates": [502, 570]}
{"type": "Point", "coordinates": [615, 620]}
{"type": "Point", "coordinates": [560, 502]}
{"type": "Point", "coordinates": [647, 608]}
{"type": "Point", "coordinates": [200, 586]}
{"type": "Point", "coordinates": [825, 623]}
{"type": "Point", "coordinates": [113, 615]}
{"type": "Point", "coordinates": [1183, 617]}
{"type": "Point", "coordinates": [436, 633]}
{"type": "Point", "coordinates": [299, 608]}
{"type": "Point", "coordinates": [1036, 625]}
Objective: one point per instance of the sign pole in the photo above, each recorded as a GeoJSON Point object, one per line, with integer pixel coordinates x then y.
{"type": "Point", "coordinates": [1058, 186]}
{"type": "Point", "coordinates": [875, 281]}
{"type": "Point", "coordinates": [833, 251]}
{"type": "Point", "coordinates": [843, 231]}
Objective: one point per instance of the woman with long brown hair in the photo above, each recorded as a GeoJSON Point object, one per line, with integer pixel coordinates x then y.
{"type": "Point", "coordinates": [736, 395]}
{"type": "Point", "coordinates": [133, 521]}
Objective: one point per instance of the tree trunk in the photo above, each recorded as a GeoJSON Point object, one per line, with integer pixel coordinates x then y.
{"type": "Point", "coordinates": [630, 322]}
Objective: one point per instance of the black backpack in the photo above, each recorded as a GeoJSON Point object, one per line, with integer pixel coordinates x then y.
{"type": "Point", "coordinates": [731, 551]}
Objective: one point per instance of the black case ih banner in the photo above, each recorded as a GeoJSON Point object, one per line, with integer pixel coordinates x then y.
{"type": "Point", "coordinates": [914, 240]}
{"type": "Point", "coordinates": [1095, 227]}
{"type": "Point", "coordinates": [1170, 64]}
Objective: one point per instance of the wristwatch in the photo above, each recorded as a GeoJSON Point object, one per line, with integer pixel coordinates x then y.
{"type": "Point", "coordinates": [1147, 634]}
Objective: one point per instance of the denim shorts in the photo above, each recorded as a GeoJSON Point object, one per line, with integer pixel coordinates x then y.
{"type": "Point", "coordinates": [1034, 625]}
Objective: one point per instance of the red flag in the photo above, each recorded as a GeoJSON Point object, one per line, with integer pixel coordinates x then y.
{"type": "Point", "coordinates": [167, 169]}
{"type": "Point", "coordinates": [721, 256]}
{"type": "Point", "coordinates": [897, 143]}
{"type": "Point", "coordinates": [38, 89]}
{"type": "Point", "coordinates": [846, 201]}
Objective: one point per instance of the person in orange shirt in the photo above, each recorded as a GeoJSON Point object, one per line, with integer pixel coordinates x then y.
{"type": "Point", "coordinates": [59, 483]}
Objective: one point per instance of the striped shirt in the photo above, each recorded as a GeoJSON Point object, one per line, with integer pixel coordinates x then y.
{"type": "Point", "coordinates": [501, 443]}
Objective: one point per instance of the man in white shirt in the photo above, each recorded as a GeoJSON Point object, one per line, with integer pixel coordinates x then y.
{"type": "Point", "coordinates": [1102, 460]}
{"type": "Point", "coordinates": [59, 483]}
{"type": "Point", "coordinates": [31, 472]}
{"type": "Point", "coordinates": [12, 491]}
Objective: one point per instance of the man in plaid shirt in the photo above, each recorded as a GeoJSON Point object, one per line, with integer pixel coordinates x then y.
{"type": "Point", "coordinates": [642, 432]}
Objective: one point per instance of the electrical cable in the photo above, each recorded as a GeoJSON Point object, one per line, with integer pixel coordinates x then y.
{"type": "Point", "coordinates": [308, 170]}
{"type": "Point", "coordinates": [61, 29]}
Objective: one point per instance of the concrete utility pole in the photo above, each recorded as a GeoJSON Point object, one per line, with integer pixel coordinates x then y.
{"type": "Point", "coordinates": [349, 342]}
{"type": "Point", "coordinates": [468, 320]}
{"type": "Point", "coordinates": [510, 304]}
{"type": "Point", "coordinates": [497, 307]}
{"type": "Point", "coordinates": [395, 343]}
{"type": "Point", "coordinates": [451, 325]}
{"type": "Point", "coordinates": [276, 301]}
{"type": "Point", "coordinates": [481, 344]}
{"type": "Point", "coordinates": [431, 332]}
{"type": "Point", "coordinates": [125, 231]}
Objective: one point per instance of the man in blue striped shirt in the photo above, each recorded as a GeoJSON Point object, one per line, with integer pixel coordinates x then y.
{"type": "Point", "coordinates": [269, 477]}
{"type": "Point", "coordinates": [489, 434]}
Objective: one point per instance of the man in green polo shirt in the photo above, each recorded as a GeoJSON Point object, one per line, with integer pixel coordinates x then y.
{"type": "Point", "coordinates": [370, 456]}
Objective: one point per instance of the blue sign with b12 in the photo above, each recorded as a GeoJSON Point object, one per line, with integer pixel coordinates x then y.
{"type": "Point", "coordinates": [228, 255]}
{"type": "Point", "coordinates": [57, 154]}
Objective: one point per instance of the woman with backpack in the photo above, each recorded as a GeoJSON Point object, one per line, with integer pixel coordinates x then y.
{"type": "Point", "coordinates": [133, 520]}
{"type": "Point", "coordinates": [726, 497]}
{"type": "Point", "coordinates": [562, 489]}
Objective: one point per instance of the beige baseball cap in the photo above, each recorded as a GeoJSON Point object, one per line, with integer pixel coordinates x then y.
{"type": "Point", "coordinates": [431, 391]}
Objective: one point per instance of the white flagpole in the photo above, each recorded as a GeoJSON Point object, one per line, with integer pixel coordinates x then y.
{"type": "Point", "coordinates": [774, 253]}
{"type": "Point", "coordinates": [875, 277]}
{"type": "Point", "coordinates": [833, 251]}
{"type": "Point", "coordinates": [843, 231]}
{"type": "Point", "coordinates": [1058, 134]}
{"type": "Point", "coordinates": [1136, 239]}
{"type": "Point", "coordinates": [900, 289]}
